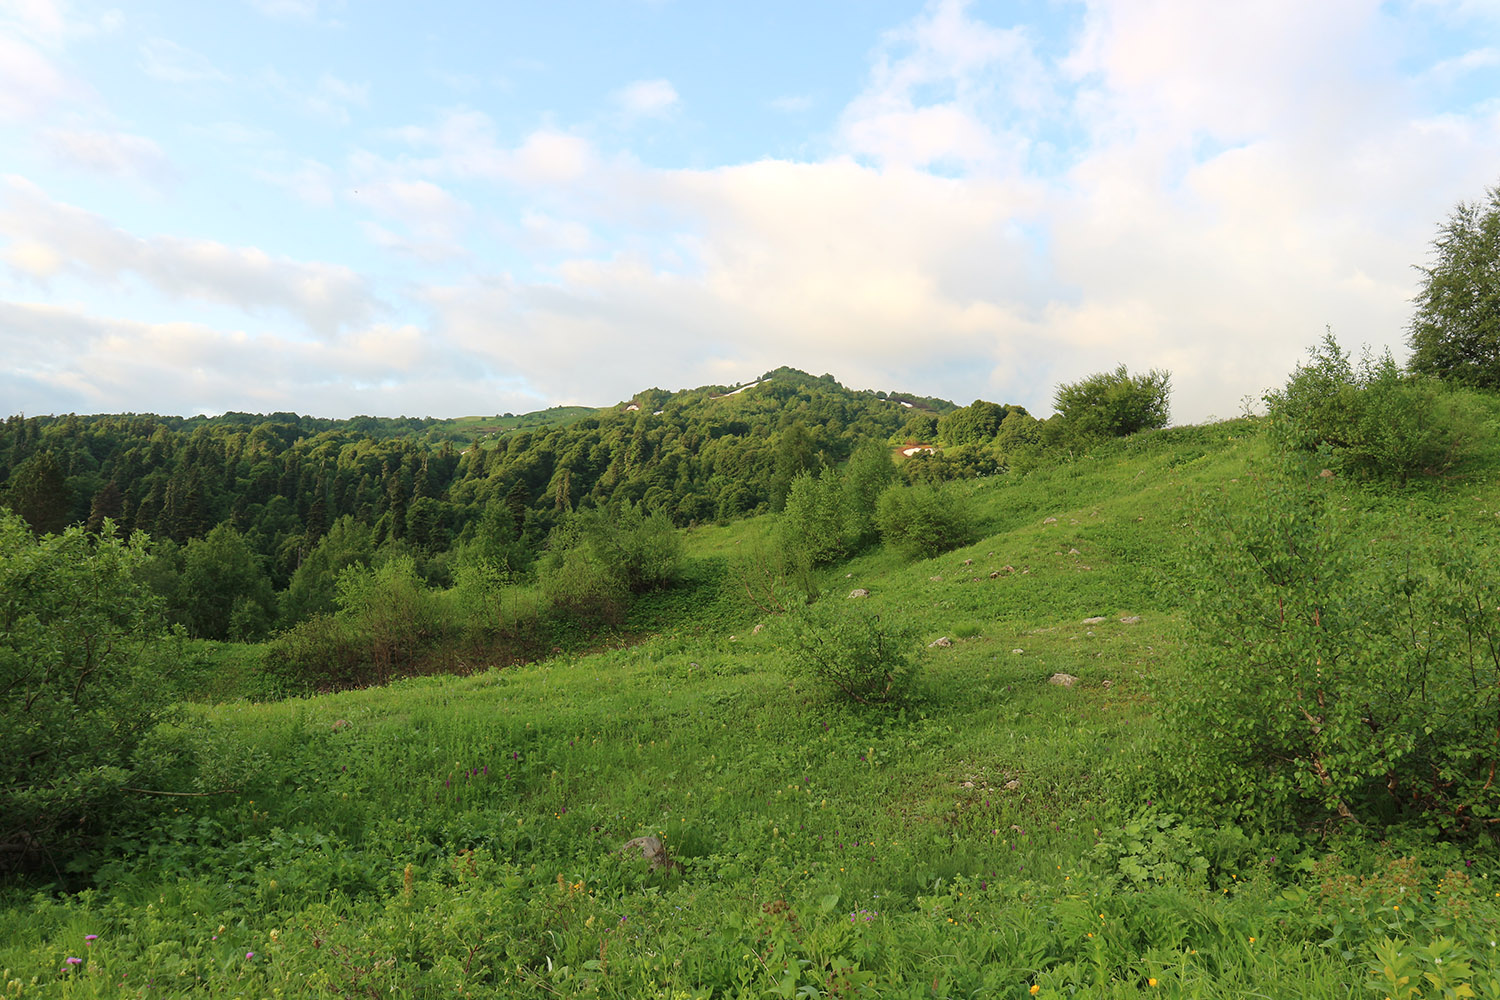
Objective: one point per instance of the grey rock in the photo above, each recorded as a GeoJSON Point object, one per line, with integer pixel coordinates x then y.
{"type": "Point", "coordinates": [859, 592]}
{"type": "Point", "coordinates": [1131, 619]}
{"type": "Point", "coordinates": [943, 642]}
{"type": "Point", "coordinates": [1096, 620]}
{"type": "Point", "coordinates": [653, 851]}
{"type": "Point", "coordinates": [1013, 784]}
{"type": "Point", "coordinates": [1062, 680]}
{"type": "Point", "coordinates": [1049, 520]}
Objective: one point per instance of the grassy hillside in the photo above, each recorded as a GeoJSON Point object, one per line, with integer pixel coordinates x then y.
{"type": "Point", "coordinates": [999, 836]}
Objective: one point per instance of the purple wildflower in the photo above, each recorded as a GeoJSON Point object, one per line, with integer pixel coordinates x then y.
{"type": "Point", "coordinates": [249, 955]}
{"type": "Point", "coordinates": [73, 961]}
{"type": "Point", "coordinates": [91, 938]}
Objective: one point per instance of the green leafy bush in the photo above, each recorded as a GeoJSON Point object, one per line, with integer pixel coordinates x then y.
{"type": "Point", "coordinates": [387, 621]}
{"type": "Point", "coordinates": [923, 520]}
{"type": "Point", "coordinates": [1114, 404]}
{"type": "Point", "coordinates": [816, 519]}
{"type": "Point", "coordinates": [582, 587]}
{"type": "Point", "coordinates": [1335, 669]}
{"type": "Point", "coordinates": [866, 657]}
{"type": "Point", "coordinates": [1373, 420]}
{"type": "Point", "coordinates": [84, 679]}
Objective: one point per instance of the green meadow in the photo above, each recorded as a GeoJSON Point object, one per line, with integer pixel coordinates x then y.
{"type": "Point", "coordinates": [993, 834]}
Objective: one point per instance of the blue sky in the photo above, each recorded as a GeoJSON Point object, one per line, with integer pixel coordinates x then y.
{"type": "Point", "coordinates": [459, 208]}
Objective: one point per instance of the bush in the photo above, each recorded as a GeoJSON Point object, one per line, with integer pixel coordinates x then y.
{"type": "Point", "coordinates": [583, 588]}
{"type": "Point", "coordinates": [865, 657]}
{"type": "Point", "coordinates": [1334, 672]}
{"type": "Point", "coordinates": [923, 520]}
{"type": "Point", "coordinates": [1375, 420]}
{"type": "Point", "coordinates": [386, 623]}
{"type": "Point", "coordinates": [816, 519]}
{"type": "Point", "coordinates": [84, 679]}
{"type": "Point", "coordinates": [1114, 404]}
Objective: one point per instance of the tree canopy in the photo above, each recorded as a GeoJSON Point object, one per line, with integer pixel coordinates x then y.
{"type": "Point", "coordinates": [1455, 334]}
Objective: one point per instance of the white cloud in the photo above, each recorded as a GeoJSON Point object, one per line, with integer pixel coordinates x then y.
{"type": "Point", "coordinates": [1449, 71]}
{"type": "Point", "coordinates": [163, 59]}
{"type": "Point", "coordinates": [117, 154]}
{"type": "Point", "coordinates": [791, 104]}
{"type": "Point", "coordinates": [549, 233]}
{"type": "Point", "coordinates": [309, 181]}
{"type": "Point", "coordinates": [48, 239]}
{"type": "Point", "coordinates": [31, 85]}
{"type": "Point", "coordinates": [298, 10]}
{"type": "Point", "coordinates": [52, 22]}
{"type": "Point", "coordinates": [465, 145]}
{"type": "Point", "coordinates": [647, 99]}
{"type": "Point", "coordinates": [949, 90]}
{"type": "Point", "coordinates": [62, 358]}
{"type": "Point", "coordinates": [332, 98]}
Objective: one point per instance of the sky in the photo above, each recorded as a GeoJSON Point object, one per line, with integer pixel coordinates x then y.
{"type": "Point", "coordinates": [336, 207]}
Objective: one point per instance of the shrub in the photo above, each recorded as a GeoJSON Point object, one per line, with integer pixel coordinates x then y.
{"type": "Point", "coordinates": [1335, 673]}
{"type": "Point", "coordinates": [84, 678]}
{"type": "Point", "coordinates": [582, 588]}
{"type": "Point", "coordinates": [867, 658]}
{"type": "Point", "coordinates": [1375, 420]}
{"type": "Point", "coordinates": [1114, 404]}
{"type": "Point", "coordinates": [387, 621]}
{"type": "Point", "coordinates": [816, 518]}
{"type": "Point", "coordinates": [923, 520]}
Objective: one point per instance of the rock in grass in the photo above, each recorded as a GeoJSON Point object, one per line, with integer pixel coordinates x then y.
{"type": "Point", "coordinates": [1062, 680]}
{"type": "Point", "coordinates": [859, 592]}
{"type": "Point", "coordinates": [1131, 619]}
{"type": "Point", "coordinates": [653, 851]}
{"type": "Point", "coordinates": [944, 642]}
{"type": "Point", "coordinates": [1098, 620]}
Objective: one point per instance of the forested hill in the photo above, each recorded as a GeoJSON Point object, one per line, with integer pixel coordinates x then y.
{"type": "Point", "coordinates": [283, 480]}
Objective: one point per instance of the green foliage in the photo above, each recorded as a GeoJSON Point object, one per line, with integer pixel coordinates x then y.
{"type": "Point", "coordinates": [977, 423]}
{"type": "Point", "coordinates": [1151, 847]}
{"type": "Point", "coordinates": [1373, 420]}
{"type": "Point", "coordinates": [869, 473]}
{"type": "Point", "coordinates": [817, 518]}
{"type": "Point", "coordinates": [312, 590]}
{"type": "Point", "coordinates": [387, 622]}
{"type": "Point", "coordinates": [84, 678]}
{"type": "Point", "coordinates": [1114, 404]}
{"type": "Point", "coordinates": [37, 491]}
{"type": "Point", "coordinates": [582, 586]}
{"type": "Point", "coordinates": [922, 521]}
{"type": "Point", "coordinates": [866, 657]}
{"type": "Point", "coordinates": [226, 593]}
{"type": "Point", "coordinates": [772, 576]}
{"type": "Point", "coordinates": [1337, 668]}
{"type": "Point", "coordinates": [1455, 334]}
{"type": "Point", "coordinates": [598, 559]}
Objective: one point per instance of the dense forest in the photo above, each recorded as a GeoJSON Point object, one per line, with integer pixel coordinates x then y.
{"type": "Point", "coordinates": [262, 493]}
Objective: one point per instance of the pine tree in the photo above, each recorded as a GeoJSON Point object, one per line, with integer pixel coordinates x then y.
{"type": "Point", "coordinates": [38, 493]}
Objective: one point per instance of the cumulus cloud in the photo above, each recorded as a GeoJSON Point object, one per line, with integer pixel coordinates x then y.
{"type": "Point", "coordinates": [948, 90]}
{"type": "Point", "coordinates": [165, 60]}
{"type": "Point", "coordinates": [46, 240]}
